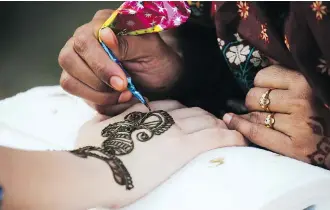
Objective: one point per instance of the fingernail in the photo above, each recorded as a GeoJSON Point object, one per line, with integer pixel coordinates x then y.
{"type": "Point", "coordinates": [106, 32]}
{"type": "Point", "coordinates": [117, 83]}
{"type": "Point", "coordinates": [227, 118]}
{"type": "Point", "coordinates": [109, 37]}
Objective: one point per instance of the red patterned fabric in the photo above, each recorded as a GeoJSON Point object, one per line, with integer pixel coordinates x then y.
{"type": "Point", "coordinates": [137, 15]}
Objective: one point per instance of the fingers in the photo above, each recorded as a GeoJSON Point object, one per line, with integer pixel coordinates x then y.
{"type": "Point", "coordinates": [188, 112]}
{"type": "Point", "coordinates": [70, 61]}
{"type": "Point", "coordinates": [90, 50]}
{"type": "Point", "coordinates": [276, 77]}
{"type": "Point", "coordinates": [196, 123]}
{"type": "Point", "coordinates": [259, 134]}
{"type": "Point", "coordinates": [98, 20]}
{"type": "Point", "coordinates": [113, 110]}
{"type": "Point", "coordinates": [279, 100]}
{"type": "Point", "coordinates": [77, 88]}
{"type": "Point", "coordinates": [110, 40]}
{"type": "Point", "coordinates": [283, 122]}
{"type": "Point", "coordinates": [213, 138]}
{"type": "Point", "coordinates": [194, 119]}
{"type": "Point", "coordinates": [166, 105]}
{"type": "Point", "coordinates": [102, 15]}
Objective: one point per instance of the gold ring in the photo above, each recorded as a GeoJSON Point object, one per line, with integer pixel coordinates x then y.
{"type": "Point", "coordinates": [264, 100]}
{"type": "Point", "coordinates": [270, 121]}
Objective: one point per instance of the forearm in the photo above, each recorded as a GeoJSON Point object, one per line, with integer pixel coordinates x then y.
{"type": "Point", "coordinates": [54, 180]}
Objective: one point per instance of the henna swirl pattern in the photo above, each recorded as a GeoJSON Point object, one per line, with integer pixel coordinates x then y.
{"type": "Point", "coordinates": [119, 140]}
{"type": "Point", "coordinates": [321, 157]}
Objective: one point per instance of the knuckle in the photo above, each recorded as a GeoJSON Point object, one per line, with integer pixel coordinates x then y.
{"type": "Point", "coordinates": [100, 13]}
{"type": "Point", "coordinates": [250, 97]}
{"type": "Point", "coordinates": [64, 58]}
{"type": "Point", "coordinates": [99, 69]}
{"type": "Point", "coordinates": [80, 29]}
{"type": "Point", "coordinates": [65, 81]}
{"type": "Point", "coordinates": [256, 117]}
{"type": "Point", "coordinates": [300, 106]}
{"type": "Point", "coordinates": [210, 120]}
{"type": "Point", "coordinates": [80, 43]}
{"type": "Point", "coordinates": [104, 13]}
{"type": "Point", "coordinates": [298, 77]}
{"type": "Point", "coordinates": [304, 94]}
{"type": "Point", "coordinates": [175, 103]}
{"type": "Point", "coordinates": [258, 77]}
{"type": "Point", "coordinates": [198, 110]}
{"type": "Point", "coordinates": [253, 132]}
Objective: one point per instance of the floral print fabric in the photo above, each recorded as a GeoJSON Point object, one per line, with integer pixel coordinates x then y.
{"type": "Point", "coordinates": [294, 34]}
{"type": "Point", "coordinates": [140, 17]}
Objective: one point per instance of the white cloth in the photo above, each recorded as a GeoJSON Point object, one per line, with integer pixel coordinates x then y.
{"type": "Point", "coordinates": [42, 118]}
{"type": "Point", "coordinates": [249, 179]}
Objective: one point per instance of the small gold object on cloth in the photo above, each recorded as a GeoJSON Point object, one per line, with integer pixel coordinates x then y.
{"type": "Point", "coordinates": [218, 161]}
{"type": "Point", "coordinates": [270, 121]}
{"type": "Point", "coordinates": [265, 101]}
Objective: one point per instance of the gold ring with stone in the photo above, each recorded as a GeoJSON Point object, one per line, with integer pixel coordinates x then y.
{"type": "Point", "coordinates": [265, 101]}
{"type": "Point", "coordinates": [270, 121]}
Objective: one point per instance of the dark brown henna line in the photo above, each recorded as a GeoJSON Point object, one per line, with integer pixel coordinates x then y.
{"type": "Point", "coordinates": [119, 141]}
{"type": "Point", "coordinates": [125, 177]}
{"type": "Point", "coordinates": [318, 125]}
{"type": "Point", "coordinates": [321, 157]}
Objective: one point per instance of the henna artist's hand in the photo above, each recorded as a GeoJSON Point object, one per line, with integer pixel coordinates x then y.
{"type": "Point", "coordinates": [90, 74]}
{"type": "Point", "coordinates": [153, 146]}
{"type": "Point", "coordinates": [301, 126]}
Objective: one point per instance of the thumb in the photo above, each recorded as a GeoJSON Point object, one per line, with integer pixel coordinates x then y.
{"type": "Point", "coordinates": [245, 127]}
{"type": "Point", "coordinates": [235, 122]}
{"type": "Point", "coordinates": [110, 40]}
{"type": "Point", "coordinates": [131, 47]}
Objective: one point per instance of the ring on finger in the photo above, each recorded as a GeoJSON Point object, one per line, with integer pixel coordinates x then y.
{"type": "Point", "coordinates": [264, 100]}
{"type": "Point", "coordinates": [270, 121]}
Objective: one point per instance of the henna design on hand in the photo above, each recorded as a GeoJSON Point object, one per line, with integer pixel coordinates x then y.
{"type": "Point", "coordinates": [318, 125]}
{"type": "Point", "coordinates": [321, 157]}
{"type": "Point", "coordinates": [120, 135]}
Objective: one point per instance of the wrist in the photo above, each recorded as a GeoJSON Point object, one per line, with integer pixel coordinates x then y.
{"type": "Point", "coordinates": [56, 180]}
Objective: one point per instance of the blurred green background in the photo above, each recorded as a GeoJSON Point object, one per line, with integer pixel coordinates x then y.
{"type": "Point", "coordinates": [32, 35]}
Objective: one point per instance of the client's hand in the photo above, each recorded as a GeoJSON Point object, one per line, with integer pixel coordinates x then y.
{"type": "Point", "coordinates": [144, 149]}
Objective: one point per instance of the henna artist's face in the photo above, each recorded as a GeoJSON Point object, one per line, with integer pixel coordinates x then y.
{"type": "Point", "coordinates": [120, 137]}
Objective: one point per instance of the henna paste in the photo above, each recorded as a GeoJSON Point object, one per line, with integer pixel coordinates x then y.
{"type": "Point", "coordinates": [318, 125]}
{"type": "Point", "coordinates": [119, 141]}
{"type": "Point", "coordinates": [321, 157]}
